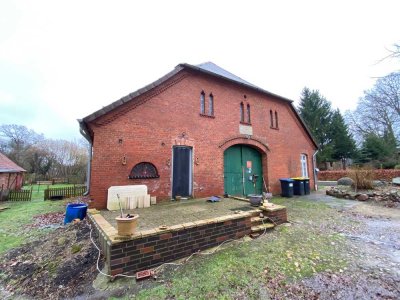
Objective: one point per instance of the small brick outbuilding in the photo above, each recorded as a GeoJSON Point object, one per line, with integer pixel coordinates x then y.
{"type": "Point", "coordinates": [198, 131]}
{"type": "Point", "coordinates": [11, 175]}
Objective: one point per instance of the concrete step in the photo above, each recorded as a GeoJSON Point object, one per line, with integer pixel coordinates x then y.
{"type": "Point", "coordinates": [262, 227]}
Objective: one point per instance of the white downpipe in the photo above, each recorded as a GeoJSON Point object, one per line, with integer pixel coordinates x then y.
{"type": "Point", "coordinates": [314, 171]}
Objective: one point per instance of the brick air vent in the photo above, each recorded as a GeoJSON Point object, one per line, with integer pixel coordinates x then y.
{"type": "Point", "coordinates": [144, 170]}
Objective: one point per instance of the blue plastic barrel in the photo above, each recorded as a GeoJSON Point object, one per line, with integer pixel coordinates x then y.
{"type": "Point", "coordinates": [75, 211]}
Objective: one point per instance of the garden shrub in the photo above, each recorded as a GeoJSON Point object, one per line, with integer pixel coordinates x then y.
{"type": "Point", "coordinates": [363, 178]}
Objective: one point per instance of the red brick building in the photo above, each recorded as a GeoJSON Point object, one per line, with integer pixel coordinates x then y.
{"type": "Point", "coordinates": [197, 131]}
{"type": "Point", "coordinates": [11, 175]}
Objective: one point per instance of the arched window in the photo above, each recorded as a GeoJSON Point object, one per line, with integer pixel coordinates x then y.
{"type": "Point", "coordinates": [272, 118]}
{"type": "Point", "coordinates": [248, 114]}
{"type": "Point", "coordinates": [276, 120]}
{"type": "Point", "coordinates": [144, 170]}
{"type": "Point", "coordinates": [211, 105]}
{"type": "Point", "coordinates": [202, 102]}
{"type": "Point", "coordinates": [241, 112]}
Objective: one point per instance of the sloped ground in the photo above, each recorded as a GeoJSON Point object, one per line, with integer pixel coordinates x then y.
{"type": "Point", "coordinates": [333, 249]}
{"type": "Point", "coordinates": [60, 264]}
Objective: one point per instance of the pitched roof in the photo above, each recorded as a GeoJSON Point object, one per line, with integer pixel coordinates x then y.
{"type": "Point", "coordinates": [205, 68]}
{"type": "Point", "coordinates": [216, 71]}
{"type": "Point", "coordinates": [8, 166]}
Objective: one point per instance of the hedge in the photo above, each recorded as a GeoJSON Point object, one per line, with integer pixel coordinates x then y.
{"type": "Point", "coordinates": [384, 174]}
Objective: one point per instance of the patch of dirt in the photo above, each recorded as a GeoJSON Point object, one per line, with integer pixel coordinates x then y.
{"type": "Point", "coordinates": [373, 259]}
{"type": "Point", "coordinates": [344, 286]}
{"type": "Point", "coordinates": [47, 220]}
{"type": "Point", "coordinates": [60, 265]}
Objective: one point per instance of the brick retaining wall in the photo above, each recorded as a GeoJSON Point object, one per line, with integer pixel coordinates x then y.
{"type": "Point", "coordinates": [151, 248]}
{"type": "Point", "coordinates": [132, 256]}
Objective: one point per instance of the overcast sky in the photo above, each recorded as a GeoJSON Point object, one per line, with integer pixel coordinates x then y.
{"type": "Point", "coordinates": [62, 60]}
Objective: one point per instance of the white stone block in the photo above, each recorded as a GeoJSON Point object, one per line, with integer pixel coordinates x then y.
{"type": "Point", "coordinates": [146, 201]}
{"type": "Point", "coordinates": [124, 192]}
{"type": "Point", "coordinates": [140, 201]}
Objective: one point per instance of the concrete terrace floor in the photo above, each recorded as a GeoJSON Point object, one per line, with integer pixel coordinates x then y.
{"type": "Point", "coordinates": [177, 212]}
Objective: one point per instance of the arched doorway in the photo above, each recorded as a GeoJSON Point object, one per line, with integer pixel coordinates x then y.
{"type": "Point", "coordinates": [241, 163]}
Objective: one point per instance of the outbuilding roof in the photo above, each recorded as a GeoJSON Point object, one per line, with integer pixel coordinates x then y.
{"type": "Point", "coordinates": [208, 68]}
{"type": "Point", "coordinates": [8, 166]}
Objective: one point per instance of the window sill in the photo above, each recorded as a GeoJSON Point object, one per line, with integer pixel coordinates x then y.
{"type": "Point", "coordinates": [275, 128]}
{"type": "Point", "coordinates": [207, 116]}
{"type": "Point", "coordinates": [245, 123]}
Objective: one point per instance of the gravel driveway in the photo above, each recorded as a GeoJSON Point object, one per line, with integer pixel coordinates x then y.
{"type": "Point", "coordinates": [374, 272]}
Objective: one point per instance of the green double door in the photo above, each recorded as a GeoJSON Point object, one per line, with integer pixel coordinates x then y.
{"type": "Point", "coordinates": [240, 164]}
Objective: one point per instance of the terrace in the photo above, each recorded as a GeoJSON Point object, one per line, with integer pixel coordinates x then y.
{"type": "Point", "coordinates": [172, 230]}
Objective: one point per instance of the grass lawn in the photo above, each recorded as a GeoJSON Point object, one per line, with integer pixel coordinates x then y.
{"type": "Point", "coordinates": [246, 269]}
{"type": "Point", "coordinates": [13, 221]}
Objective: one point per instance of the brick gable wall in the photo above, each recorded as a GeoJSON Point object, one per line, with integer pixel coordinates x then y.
{"type": "Point", "coordinates": [152, 124]}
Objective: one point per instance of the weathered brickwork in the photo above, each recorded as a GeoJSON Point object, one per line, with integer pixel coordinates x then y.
{"type": "Point", "coordinates": [132, 256]}
{"type": "Point", "coordinates": [146, 129]}
{"type": "Point", "coordinates": [277, 216]}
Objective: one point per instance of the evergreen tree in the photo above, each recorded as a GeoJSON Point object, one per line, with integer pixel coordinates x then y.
{"type": "Point", "coordinates": [374, 147]}
{"type": "Point", "coordinates": [316, 112]}
{"type": "Point", "coordinates": [343, 143]}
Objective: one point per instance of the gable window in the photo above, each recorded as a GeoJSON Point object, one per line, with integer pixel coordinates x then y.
{"type": "Point", "coordinates": [241, 112]}
{"type": "Point", "coordinates": [274, 119]}
{"type": "Point", "coordinates": [248, 113]}
{"type": "Point", "coordinates": [202, 103]}
{"type": "Point", "coordinates": [211, 105]}
{"type": "Point", "coordinates": [303, 163]}
{"type": "Point", "coordinates": [206, 106]}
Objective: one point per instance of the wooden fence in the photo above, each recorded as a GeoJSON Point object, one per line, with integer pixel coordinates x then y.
{"type": "Point", "coordinates": [64, 192]}
{"type": "Point", "coordinates": [21, 195]}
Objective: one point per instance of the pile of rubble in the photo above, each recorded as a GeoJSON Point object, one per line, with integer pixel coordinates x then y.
{"type": "Point", "coordinates": [390, 197]}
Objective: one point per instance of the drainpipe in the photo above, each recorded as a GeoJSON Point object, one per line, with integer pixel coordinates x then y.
{"type": "Point", "coordinates": [83, 130]}
{"type": "Point", "coordinates": [314, 171]}
{"type": "Point", "coordinates": [89, 166]}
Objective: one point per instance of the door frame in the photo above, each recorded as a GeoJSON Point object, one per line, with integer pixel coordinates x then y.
{"type": "Point", "coordinates": [190, 169]}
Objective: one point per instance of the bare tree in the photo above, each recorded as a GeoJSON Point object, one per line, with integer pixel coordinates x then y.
{"type": "Point", "coordinates": [17, 139]}
{"type": "Point", "coordinates": [379, 110]}
{"type": "Point", "coordinates": [69, 158]}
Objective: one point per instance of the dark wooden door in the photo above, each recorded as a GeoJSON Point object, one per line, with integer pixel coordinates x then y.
{"type": "Point", "coordinates": [182, 172]}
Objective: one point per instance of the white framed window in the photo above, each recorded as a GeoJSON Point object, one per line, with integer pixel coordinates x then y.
{"type": "Point", "coordinates": [303, 162]}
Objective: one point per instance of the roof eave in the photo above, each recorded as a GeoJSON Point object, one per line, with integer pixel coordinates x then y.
{"type": "Point", "coordinates": [129, 97]}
